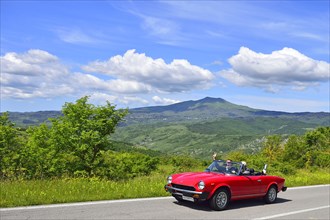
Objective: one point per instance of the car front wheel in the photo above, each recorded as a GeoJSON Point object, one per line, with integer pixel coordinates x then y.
{"type": "Point", "coordinates": [178, 198]}
{"type": "Point", "coordinates": [220, 200]}
{"type": "Point", "coordinates": [271, 195]}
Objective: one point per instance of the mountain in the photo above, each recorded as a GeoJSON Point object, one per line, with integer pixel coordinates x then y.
{"type": "Point", "coordinates": [212, 108]}
{"type": "Point", "coordinates": [200, 110]}
{"type": "Point", "coordinates": [199, 128]}
{"type": "Point", "coordinates": [25, 119]}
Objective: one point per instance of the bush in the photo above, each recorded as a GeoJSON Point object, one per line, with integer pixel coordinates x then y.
{"type": "Point", "coordinates": [323, 160]}
{"type": "Point", "coordinates": [184, 163]}
{"type": "Point", "coordinates": [287, 169]}
{"type": "Point", "coordinates": [122, 166]}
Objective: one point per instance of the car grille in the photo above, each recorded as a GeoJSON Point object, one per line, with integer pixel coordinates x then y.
{"type": "Point", "coordinates": [183, 187]}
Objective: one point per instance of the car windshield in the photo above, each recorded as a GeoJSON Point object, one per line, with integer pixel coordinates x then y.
{"type": "Point", "coordinates": [223, 166]}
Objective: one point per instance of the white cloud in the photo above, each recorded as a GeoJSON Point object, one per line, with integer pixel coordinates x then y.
{"type": "Point", "coordinates": [178, 76]}
{"type": "Point", "coordinates": [76, 36]}
{"type": "Point", "coordinates": [286, 67]}
{"type": "Point", "coordinates": [31, 63]}
{"type": "Point", "coordinates": [158, 26]}
{"type": "Point", "coordinates": [35, 73]}
{"type": "Point", "coordinates": [100, 98]}
{"type": "Point", "coordinates": [164, 101]}
{"type": "Point", "coordinates": [39, 74]}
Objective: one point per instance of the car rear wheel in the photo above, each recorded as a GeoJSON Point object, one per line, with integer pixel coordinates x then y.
{"type": "Point", "coordinates": [220, 200]}
{"type": "Point", "coordinates": [271, 195]}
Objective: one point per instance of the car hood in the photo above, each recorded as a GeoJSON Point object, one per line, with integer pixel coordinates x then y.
{"type": "Point", "coordinates": [192, 178]}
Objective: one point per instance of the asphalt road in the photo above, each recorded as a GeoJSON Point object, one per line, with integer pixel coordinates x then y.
{"type": "Point", "coordinates": [296, 203]}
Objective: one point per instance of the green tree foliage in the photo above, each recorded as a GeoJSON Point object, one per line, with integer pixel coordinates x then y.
{"type": "Point", "coordinates": [286, 155]}
{"type": "Point", "coordinates": [75, 144]}
{"type": "Point", "coordinates": [311, 149]}
{"type": "Point", "coordinates": [78, 144]}
{"type": "Point", "coordinates": [183, 163]}
{"type": "Point", "coordinates": [10, 147]}
{"type": "Point", "coordinates": [38, 155]}
{"type": "Point", "coordinates": [82, 133]}
{"type": "Point", "coordinates": [120, 165]}
{"type": "Point", "coordinates": [272, 147]}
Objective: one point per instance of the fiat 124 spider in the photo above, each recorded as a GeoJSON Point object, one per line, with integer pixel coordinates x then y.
{"type": "Point", "coordinates": [222, 182]}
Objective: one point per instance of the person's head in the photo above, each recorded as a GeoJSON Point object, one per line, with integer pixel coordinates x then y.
{"type": "Point", "coordinates": [228, 162]}
{"type": "Point", "coordinates": [244, 165]}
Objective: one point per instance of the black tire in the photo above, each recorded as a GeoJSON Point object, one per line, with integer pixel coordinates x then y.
{"type": "Point", "coordinates": [271, 195]}
{"type": "Point", "coordinates": [178, 198]}
{"type": "Point", "coordinates": [220, 200]}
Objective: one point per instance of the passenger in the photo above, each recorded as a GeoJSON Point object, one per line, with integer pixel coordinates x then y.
{"type": "Point", "coordinates": [245, 170]}
{"type": "Point", "coordinates": [214, 156]}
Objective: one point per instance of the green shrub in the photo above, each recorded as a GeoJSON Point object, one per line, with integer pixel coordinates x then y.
{"type": "Point", "coordinates": [287, 169]}
{"type": "Point", "coordinates": [122, 166]}
{"type": "Point", "coordinates": [184, 163]}
{"type": "Point", "coordinates": [323, 159]}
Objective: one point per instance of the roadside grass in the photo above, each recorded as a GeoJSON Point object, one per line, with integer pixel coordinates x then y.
{"type": "Point", "coordinates": [308, 177]}
{"type": "Point", "coordinates": [37, 192]}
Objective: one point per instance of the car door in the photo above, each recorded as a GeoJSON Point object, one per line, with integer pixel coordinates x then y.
{"type": "Point", "coordinates": [245, 185]}
{"type": "Point", "coordinates": [252, 184]}
{"type": "Point", "coordinates": [264, 182]}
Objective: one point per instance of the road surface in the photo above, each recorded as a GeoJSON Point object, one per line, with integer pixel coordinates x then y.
{"type": "Point", "coordinates": [310, 202]}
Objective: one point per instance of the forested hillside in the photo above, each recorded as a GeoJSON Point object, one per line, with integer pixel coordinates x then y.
{"type": "Point", "coordinates": [198, 128]}
{"type": "Point", "coordinates": [189, 111]}
{"type": "Point", "coordinates": [80, 143]}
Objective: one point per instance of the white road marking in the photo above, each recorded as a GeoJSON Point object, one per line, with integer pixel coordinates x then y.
{"type": "Point", "coordinates": [292, 213]}
{"type": "Point", "coordinates": [83, 203]}
{"type": "Point", "coordinates": [306, 187]}
{"type": "Point", "coordinates": [117, 201]}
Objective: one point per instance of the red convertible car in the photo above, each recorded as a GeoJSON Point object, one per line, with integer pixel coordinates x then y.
{"type": "Point", "coordinates": [224, 181]}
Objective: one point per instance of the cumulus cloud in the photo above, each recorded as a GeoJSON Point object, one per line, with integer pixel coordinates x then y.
{"type": "Point", "coordinates": [30, 63]}
{"type": "Point", "coordinates": [39, 74]}
{"type": "Point", "coordinates": [177, 76]}
{"type": "Point", "coordinates": [35, 73]}
{"type": "Point", "coordinates": [286, 67]}
{"type": "Point", "coordinates": [164, 101]}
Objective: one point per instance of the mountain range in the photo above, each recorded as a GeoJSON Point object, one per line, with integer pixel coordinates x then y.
{"type": "Point", "coordinates": [212, 108]}
{"type": "Point", "coordinates": [199, 127]}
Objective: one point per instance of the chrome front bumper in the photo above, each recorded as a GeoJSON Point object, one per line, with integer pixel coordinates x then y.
{"type": "Point", "coordinates": [200, 196]}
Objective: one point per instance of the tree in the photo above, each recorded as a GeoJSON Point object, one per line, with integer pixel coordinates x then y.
{"type": "Point", "coordinates": [82, 133]}
{"type": "Point", "coordinates": [10, 146]}
{"type": "Point", "coordinates": [38, 156]}
{"type": "Point", "coordinates": [272, 147]}
{"type": "Point", "coordinates": [313, 148]}
{"type": "Point", "coordinates": [317, 147]}
{"type": "Point", "coordinates": [294, 151]}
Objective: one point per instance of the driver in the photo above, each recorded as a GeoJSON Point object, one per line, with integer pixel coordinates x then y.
{"type": "Point", "coordinates": [229, 167]}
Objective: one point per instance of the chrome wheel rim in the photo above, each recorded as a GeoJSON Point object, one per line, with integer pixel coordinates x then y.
{"type": "Point", "coordinates": [272, 194]}
{"type": "Point", "coordinates": [221, 199]}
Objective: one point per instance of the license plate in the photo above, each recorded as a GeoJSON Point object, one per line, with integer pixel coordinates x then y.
{"type": "Point", "coordinates": [188, 198]}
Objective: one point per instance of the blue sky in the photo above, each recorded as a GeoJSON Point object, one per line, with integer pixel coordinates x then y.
{"type": "Point", "coordinates": [271, 55]}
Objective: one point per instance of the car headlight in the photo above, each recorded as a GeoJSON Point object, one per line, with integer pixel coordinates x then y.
{"type": "Point", "coordinates": [169, 179]}
{"type": "Point", "coordinates": [201, 185]}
